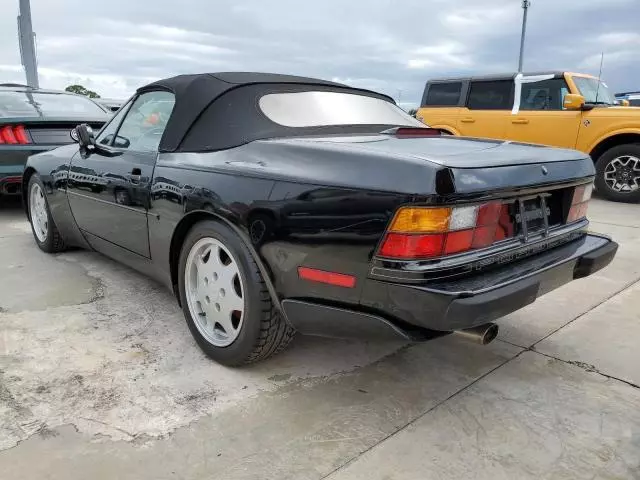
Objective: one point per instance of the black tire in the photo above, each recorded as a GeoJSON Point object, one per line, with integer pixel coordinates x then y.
{"type": "Point", "coordinates": [53, 241]}
{"type": "Point", "coordinates": [605, 159]}
{"type": "Point", "coordinates": [264, 332]}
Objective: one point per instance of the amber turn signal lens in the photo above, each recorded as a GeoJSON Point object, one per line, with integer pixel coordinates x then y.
{"type": "Point", "coordinates": [421, 220]}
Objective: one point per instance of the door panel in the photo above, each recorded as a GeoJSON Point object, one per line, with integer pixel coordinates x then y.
{"type": "Point", "coordinates": [109, 186]}
{"type": "Point", "coordinates": [109, 197]}
{"type": "Point", "coordinates": [483, 123]}
{"type": "Point", "coordinates": [542, 118]}
{"type": "Point", "coordinates": [557, 128]}
{"type": "Point", "coordinates": [488, 105]}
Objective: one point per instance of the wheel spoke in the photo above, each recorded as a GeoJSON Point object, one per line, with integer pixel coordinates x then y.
{"type": "Point", "coordinates": [232, 300]}
{"type": "Point", "coordinates": [224, 319]}
{"type": "Point", "coordinates": [622, 174]}
{"type": "Point", "coordinates": [227, 275]}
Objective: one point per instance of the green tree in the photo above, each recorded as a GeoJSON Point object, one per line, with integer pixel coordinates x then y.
{"type": "Point", "coordinates": [80, 90]}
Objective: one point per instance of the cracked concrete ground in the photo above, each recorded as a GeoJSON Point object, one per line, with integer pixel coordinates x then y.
{"type": "Point", "coordinates": [99, 378]}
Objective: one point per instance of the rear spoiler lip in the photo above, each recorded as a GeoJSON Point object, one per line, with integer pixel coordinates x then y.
{"type": "Point", "coordinates": [514, 180]}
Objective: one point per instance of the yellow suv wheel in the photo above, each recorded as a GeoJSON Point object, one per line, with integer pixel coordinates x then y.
{"type": "Point", "coordinates": [618, 173]}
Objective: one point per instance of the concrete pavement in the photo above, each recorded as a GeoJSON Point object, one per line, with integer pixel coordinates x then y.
{"type": "Point", "coordinates": [99, 378]}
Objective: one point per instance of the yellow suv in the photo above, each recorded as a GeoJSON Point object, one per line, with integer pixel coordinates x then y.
{"type": "Point", "coordinates": [561, 109]}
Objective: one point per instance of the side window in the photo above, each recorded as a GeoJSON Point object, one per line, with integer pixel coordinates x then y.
{"type": "Point", "coordinates": [543, 95]}
{"type": "Point", "coordinates": [491, 95]}
{"type": "Point", "coordinates": [106, 134]}
{"type": "Point", "coordinates": [444, 94]}
{"type": "Point", "coordinates": [145, 122]}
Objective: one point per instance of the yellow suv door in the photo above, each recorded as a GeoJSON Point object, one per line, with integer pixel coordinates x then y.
{"type": "Point", "coordinates": [488, 105]}
{"type": "Point", "coordinates": [542, 118]}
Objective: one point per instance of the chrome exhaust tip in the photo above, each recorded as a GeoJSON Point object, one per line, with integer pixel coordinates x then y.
{"type": "Point", "coordinates": [482, 334]}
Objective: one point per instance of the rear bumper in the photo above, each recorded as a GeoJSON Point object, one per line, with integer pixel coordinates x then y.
{"type": "Point", "coordinates": [467, 311]}
{"type": "Point", "coordinates": [10, 184]}
{"type": "Point", "coordinates": [13, 159]}
{"type": "Point", "coordinates": [409, 311]}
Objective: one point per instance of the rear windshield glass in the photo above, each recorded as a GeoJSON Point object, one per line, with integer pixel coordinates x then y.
{"type": "Point", "coordinates": [317, 108]}
{"type": "Point", "coordinates": [36, 104]}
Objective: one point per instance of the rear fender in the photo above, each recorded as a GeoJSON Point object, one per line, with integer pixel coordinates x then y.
{"type": "Point", "coordinates": [611, 139]}
{"type": "Point", "coordinates": [181, 231]}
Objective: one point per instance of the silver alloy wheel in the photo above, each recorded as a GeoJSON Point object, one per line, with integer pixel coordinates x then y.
{"type": "Point", "coordinates": [622, 174]}
{"type": "Point", "coordinates": [38, 212]}
{"type": "Point", "coordinates": [214, 291]}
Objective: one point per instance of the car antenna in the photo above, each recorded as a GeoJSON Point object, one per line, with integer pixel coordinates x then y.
{"type": "Point", "coordinates": [599, 76]}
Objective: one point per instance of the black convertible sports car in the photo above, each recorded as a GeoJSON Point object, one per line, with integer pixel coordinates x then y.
{"type": "Point", "coordinates": [272, 204]}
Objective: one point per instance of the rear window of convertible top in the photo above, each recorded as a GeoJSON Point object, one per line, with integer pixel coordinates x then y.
{"type": "Point", "coordinates": [321, 108]}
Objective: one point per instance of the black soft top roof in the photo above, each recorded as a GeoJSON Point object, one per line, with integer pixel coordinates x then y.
{"type": "Point", "coordinates": [196, 93]}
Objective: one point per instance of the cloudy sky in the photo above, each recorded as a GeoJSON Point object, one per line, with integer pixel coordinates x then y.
{"type": "Point", "coordinates": [392, 46]}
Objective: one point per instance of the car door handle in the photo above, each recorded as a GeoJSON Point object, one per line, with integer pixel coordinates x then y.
{"type": "Point", "coordinates": [468, 120]}
{"type": "Point", "coordinates": [520, 121]}
{"type": "Point", "coordinates": [135, 175]}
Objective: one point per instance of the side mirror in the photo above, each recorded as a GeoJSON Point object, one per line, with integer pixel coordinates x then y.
{"type": "Point", "coordinates": [573, 101]}
{"type": "Point", "coordinates": [83, 134]}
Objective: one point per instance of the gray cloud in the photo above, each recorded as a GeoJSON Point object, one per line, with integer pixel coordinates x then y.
{"type": "Point", "coordinates": [386, 45]}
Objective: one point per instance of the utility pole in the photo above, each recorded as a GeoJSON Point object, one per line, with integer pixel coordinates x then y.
{"type": "Point", "coordinates": [525, 5]}
{"type": "Point", "coordinates": [26, 39]}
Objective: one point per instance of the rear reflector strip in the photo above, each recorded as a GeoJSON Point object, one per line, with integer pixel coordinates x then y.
{"type": "Point", "coordinates": [330, 278]}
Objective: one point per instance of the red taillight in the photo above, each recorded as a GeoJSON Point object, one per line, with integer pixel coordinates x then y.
{"type": "Point", "coordinates": [488, 214]}
{"type": "Point", "coordinates": [331, 278]}
{"type": "Point", "coordinates": [580, 203]}
{"type": "Point", "coordinates": [458, 241]}
{"type": "Point", "coordinates": [400, 245]}
{"type": "Point", "coordinates": [484, 236]}
{"type": "Point", "coordinates": [7, 135]}
{"type": "Point", "coordinates": [427, 232]}
{"type": "Point", "coordinates": [14, 135]}
{"type": "Point", "coordinates": [417, 132]}
{"type": "Point", "coordinates": [505, 228]}
{"type": "Point", "coordinates": [21, 135]}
